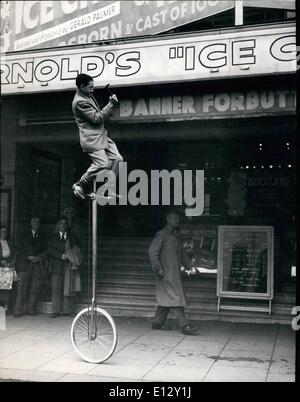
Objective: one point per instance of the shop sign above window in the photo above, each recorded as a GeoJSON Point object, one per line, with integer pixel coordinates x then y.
{"type": "Point", "coordinates": [282, 4]}
{"type": "Point", "coordinates": [48, 24]}
{"type": "Point", "coordinates": [242, 52]}
{"type": "Point", "coordinates": [212, 105]}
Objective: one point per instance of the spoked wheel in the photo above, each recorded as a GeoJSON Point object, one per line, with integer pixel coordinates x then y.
{"type": "Point", "coordinates": [94, 335]}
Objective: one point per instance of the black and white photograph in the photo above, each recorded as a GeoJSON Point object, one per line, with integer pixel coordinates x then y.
{"type": "Point", "coordinates": [148, 194]}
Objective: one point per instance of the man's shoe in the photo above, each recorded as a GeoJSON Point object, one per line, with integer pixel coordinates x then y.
{"type": "Point", "coordinates": [31, 313]}
{"type": "Point", "coordinates": [189, 330]}
{"type": "Point", "coordinates": [53, 315]}
{"type": "Point", "coordinates": [112, 194]}
{"type": "Point", "coordinates": [108, 193]}
{"type": "Point", "coordinates": [17, 315]}
{"type": "Point", "coordinates": [78, 191]}
{"type": "Point", "coordinates": [68, 314]}
{"type": "Point", "coordinates": [161, 327]}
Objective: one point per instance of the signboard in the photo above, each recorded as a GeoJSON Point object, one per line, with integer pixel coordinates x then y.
{"type": "Point", "coordinates": [283, 4]}
{"type": "Point", "coordinates": [253, 192]}
{"type": "Point", "coordinates": [237, 53]}
{"type": "Point", "coordinates": [209, 105]}
{"type": "Point", "coordinates": [272, 188]}
{"type": "Point", "coordinates": [245, 262]}
{"type": "Point", "coordinates": [46, 24]}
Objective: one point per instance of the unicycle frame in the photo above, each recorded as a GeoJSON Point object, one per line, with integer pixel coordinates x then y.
{"type": "Point", "coordinates": [93, 333]}
{"type": "Point", "coordinates": [96, 330]}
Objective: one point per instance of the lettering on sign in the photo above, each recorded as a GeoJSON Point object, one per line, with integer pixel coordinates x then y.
{"type": "Point", "coordinates": [266, 51]}
{"type": "Point", "coordinates": [46, 24]}
{"type": "Point", "coordinates": [208, 104]}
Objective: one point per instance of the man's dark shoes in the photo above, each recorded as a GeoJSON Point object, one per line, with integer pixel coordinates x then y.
{"type": "Point", "coordinates": [189, 330]}
{"type": "Point", "coordinates": [69, 314]}
{"type": "Point", "coordinates": [161, 327]}
{"type": "Point", "coordinates": [78, 191]}
{"type": "Point", "coordinates": [31, 313]}
{"type": "Point", "coordinates": [17, 315]}
{"type": "Point", "coordinates": [53, 315]}
{"type": "Point", "coordinates": [107, 194]}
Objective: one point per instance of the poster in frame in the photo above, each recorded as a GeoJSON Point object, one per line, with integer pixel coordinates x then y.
{"type": "Point", "coordinates": [245, 264]}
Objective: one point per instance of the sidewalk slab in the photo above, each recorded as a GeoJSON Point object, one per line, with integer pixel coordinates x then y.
{"type": "Point", "coordinates": [244, 358]}
{"type": "Point", "coordinates": [159, 339]}
{"type": "Point", "coordinates": [145, 352]}
{"type": "Point", "coordinates": [39, 349]}
{"type": "Point", "coordinates": [178, 373]}
{"type": "Point", "coordinates": [204, 347]}
{"type": "Point", "coordinates": [26, 360]}
{"type": "Point", "coordinates": [92, 378]}
{"type": "Point", "coordinates": [8, 346]}
{"type": "Point", "coordinates": [280, 377]}
{"type": "Point", "coordinates": [68, 365]}
{"type": "Point", "coordinates": [125, 368]}
{"type": "Point", "coordinates": [222, 373]}
{"type": "Point", "coordinates": [29, 375]}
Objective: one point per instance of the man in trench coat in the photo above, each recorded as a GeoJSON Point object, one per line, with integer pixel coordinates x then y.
{"type": "Point", "coordinates": [58, 265]}
{"type": "Point", "coordinates": [167, 256]}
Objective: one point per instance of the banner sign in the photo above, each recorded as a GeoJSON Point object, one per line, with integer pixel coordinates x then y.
{"type": "Point", "coordinates": [283, 4]}
{"type": "Point", "coordinates": [46, 24]}
{"type": "Point", "coordinates": [239, 53]}
{"type": "Point", "coordinates": [214, 105]}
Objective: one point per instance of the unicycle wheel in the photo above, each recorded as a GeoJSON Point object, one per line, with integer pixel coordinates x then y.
{"type": "Point", "coordinates": [94, 335]}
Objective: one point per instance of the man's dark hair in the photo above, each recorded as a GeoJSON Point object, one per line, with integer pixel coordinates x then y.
{"type": "Point", "coordinates": [173, 211]}
{"type": "Point", "coordinates": [62, 217]}
{"type": "Point", "coordinates": [83, 79]}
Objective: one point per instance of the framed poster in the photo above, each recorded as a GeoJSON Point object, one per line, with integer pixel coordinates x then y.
{"type": "Point", "coordinates": [245, 262]}
{"type": "Point", "coordinates": [5, 208]}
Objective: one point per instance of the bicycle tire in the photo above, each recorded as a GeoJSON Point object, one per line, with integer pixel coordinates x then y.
{"type": "Point", "coordinates": [102, 347]}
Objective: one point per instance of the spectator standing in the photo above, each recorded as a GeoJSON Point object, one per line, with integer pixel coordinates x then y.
{"type": "Point", "coordinates": [64, 255]}
{"type": "Point", "coordinates": [31, 267]}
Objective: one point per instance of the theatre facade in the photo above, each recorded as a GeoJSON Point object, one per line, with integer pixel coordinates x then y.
{"type": "Point", "coordinates": [219, 101]}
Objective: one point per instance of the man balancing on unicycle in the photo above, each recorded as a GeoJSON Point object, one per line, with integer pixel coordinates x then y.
{"type": "Point", "coordinates": [94, 138]}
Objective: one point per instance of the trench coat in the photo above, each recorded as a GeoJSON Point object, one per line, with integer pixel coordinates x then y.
{"type": "Point", "coordinates": [72, 282]}
{"type": "Point", "coordinates": [167, 253]}
{"type": "Point", "coordinates": [55, 251]}
{"type": "Point", "coordinates": [90, 120]}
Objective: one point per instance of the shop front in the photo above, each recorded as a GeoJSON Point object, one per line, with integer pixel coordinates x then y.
{"type": "Point", "coordinates": [230, 121]}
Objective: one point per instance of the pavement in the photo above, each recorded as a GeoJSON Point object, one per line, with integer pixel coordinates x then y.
{"type": "Point", "coordinates": [39, 349]}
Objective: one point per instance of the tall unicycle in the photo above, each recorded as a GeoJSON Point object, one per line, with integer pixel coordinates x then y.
{"type": "Point", "coordinates": [93, 331]}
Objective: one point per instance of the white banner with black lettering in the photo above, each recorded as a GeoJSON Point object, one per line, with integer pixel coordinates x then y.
{"type": "Point", "coordinates": [241, 52]}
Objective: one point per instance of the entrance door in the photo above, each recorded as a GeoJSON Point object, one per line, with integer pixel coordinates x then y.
{"type": "Point", "coordinates": [38, 183]}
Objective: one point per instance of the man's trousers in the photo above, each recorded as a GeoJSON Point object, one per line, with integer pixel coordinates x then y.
{"type": "Point", "coordinates": [162, 313]}
{"type": "Point", "coordinates": [29, 287]}
{"type": "Point", "coordinates": [60, 303]}
{"type": "Point", "coordinates": [102, 159]}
